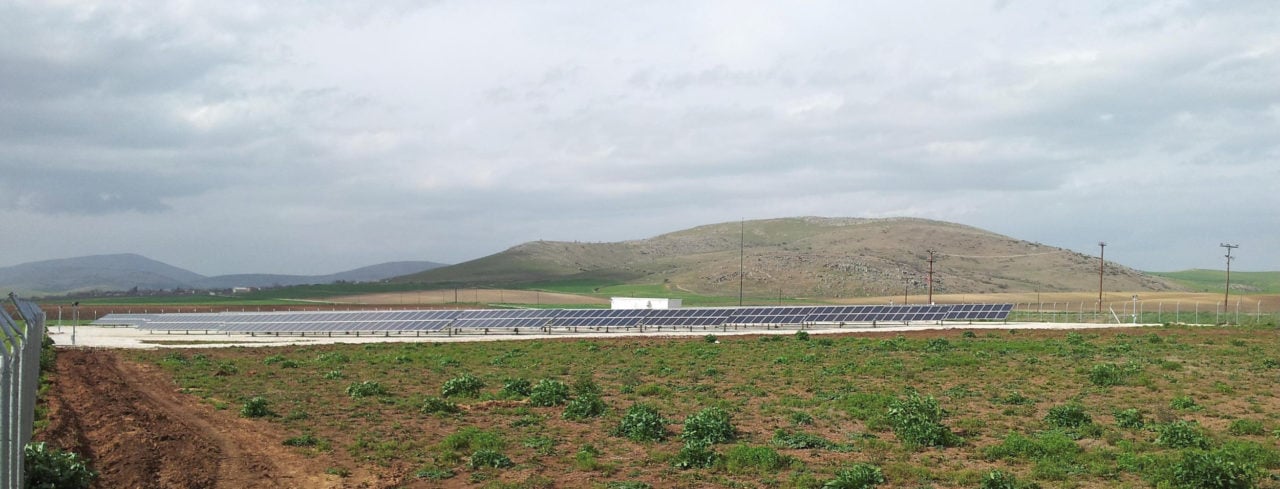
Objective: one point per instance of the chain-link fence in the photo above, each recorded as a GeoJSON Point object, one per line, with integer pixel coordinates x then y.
{"type": "Point", "coordinates": [20, 344]}
{"type": "Point", "coordinates": [1238, 312]}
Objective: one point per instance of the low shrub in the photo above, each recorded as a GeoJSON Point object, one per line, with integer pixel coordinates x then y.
{"type": "Point", "coordinates": [997, 479]}
{"type": "Point", "coordinates": [746, 458]}
{"type": "Point", "coordinates": [917, 420]}
{"type": "Point", "coordinates": [1181, 434]}
{"type": "Point", "coordinates": [708, 426]}
{"type": "Point", "coordinates": [516, 388]}
{"type": "Point", "coordinates": [304, 440]}
{"type": "Point", "coordinates": [1184, 403]}
{"type": "Point", "coordinates": [367, 388]}
{"type": "Point", "coordinates": [588, 405]}
{"type": "Point", "coordinates": [710, 339]}
{"type": "Point", "coordinates": [1130, 418]}
{"type": "Point", "coordinates": [255, 407]}
{"type": "Point", "coordinates": [436, 405]}
{"type": "Point", "coordinates": [466, 385]}
{"type": "Point", "coordinates": [1070, 415]}
{"type": "Point", "coordinates": [486, 458]}
{"type": "Point", "coordinates": [1241, 427]}
{"type": "Point", "coordinates": [857, 476]}
{"type": "Point", "coordinates": [937, 345]}
{"type": "Point", "coordinates": [642, 423]}
{"type": "Point", "coordinates": [549, 393]}
{"type": "Point", "coordinates": [1213, 470]}
{"type": "Point", "coordinates": [695, 455]}
{"type": "Point", "coordinates": [1106, 375]}
{"type": "Point", "coordinates": [49, 468]}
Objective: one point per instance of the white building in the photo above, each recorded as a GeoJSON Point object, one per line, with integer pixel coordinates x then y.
{"type": "Point", "coordinates": [644, 303]}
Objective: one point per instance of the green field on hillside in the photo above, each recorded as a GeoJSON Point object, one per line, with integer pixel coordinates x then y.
{"type": "Point", "coordinates": [1201, 280]}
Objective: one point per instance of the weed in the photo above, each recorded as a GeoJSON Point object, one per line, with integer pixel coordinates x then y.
{"type": "Point", "coordinates": [1003, 480]}
{"type": "Point", "coordinates": [1070, 415]}
{"type": "Point", "coordinates": [516, 388]}
{"type": "Point", "coordinates": [710, 339]}
{"type": "Point", "coordinates": [1181, 434]}
{"type": "Point", "coordinates": [695, 455]}
{"type": "Point", "coordinates": [548, 393]}
{"type": "Point", "coordinates": [487, 458]}
{"type": "Point", "coordinates": [1106, 375]}
{"type": "Point", "coordinates": [1213, 470]}
{"type": "Point", "coordinates": [367, 388]}
{"type": "Point", "coordinates": [917, 420]}
{"type": "Point", "coordinates": [642, 423]}
{"type": "Point", "coordinates": [587, 405]}
{"type": "Point", "coordinates": [542, 445]}
{"type": "Point", "coordinates": [334, 375]}
{"type": "Point", "coordinates": [628, 485]}
{"type": "Point", "coordinates": [1242, 427]}
{"type": "Point", "coordinates": [434, 474]}
{"type": "Point", "coordinates": [466, 385]}
{"type": "Point", "coordinates": [747, 458]}
{"type": "Point", "coordinates": [304, 440]}
{"type": "Point", "coordinates": [857, 476]}
{"type": "Point", "coordinates": [708, 426]}
{"type": "Point", "coordinates": [801, 418]}
{"type": "Point", "coordinates": [47, 467]}
{"type": "Point", "coordinates": [1184, 403]}
{"type": "Point", "coordinates": [338, 471]}
{"type": "Point", "coordinates": [937, 345]}
{"type": "Point", "coordinates": [436, 405]}
{"type": "Point", "coordinates": [1130, 418]}
{"type": "Point", "coordinates": [256, 407]}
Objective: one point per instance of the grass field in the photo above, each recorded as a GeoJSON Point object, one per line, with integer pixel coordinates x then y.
{"type": "Point", "coordinates": [1214, 280]}
{"type": "Point", "coordinates": [1153, 407]}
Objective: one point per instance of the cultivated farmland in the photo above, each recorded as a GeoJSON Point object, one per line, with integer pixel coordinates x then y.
{"type": "Point", "coordinates": [1162, 406]}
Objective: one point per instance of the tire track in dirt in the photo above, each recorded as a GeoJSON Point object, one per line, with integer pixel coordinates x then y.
{"type": "Point", "coordinates": [140, 432]}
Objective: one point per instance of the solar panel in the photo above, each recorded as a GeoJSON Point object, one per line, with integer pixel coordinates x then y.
{"type": "Point", "coordinates": [980, 312]}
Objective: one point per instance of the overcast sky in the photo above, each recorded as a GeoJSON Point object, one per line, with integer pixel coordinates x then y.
{"type": "Point", "coordinates": [313, 137]}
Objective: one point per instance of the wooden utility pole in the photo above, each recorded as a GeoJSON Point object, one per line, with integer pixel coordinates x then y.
{"type": "Point", "coordinates": [931, 252]}
{"type": "Point", "coordinates": [1102, 264]}
{"type": "Point", "coordinates": [1227, 297]}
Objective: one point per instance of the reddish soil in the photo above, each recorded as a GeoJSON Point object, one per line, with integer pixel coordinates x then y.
{"type": "Point", "coordinates": [139, 431]}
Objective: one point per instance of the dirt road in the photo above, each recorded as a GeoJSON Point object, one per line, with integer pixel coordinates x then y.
{"type": "Point", "coordinates": [141, 433]}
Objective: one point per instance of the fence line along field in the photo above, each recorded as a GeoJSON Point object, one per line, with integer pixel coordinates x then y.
{"type": "Point", "coordinates": [1164, 406]}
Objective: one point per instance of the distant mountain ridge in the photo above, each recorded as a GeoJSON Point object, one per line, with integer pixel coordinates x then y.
{"type": "Point", "coordinates": [122, 272]}
{"type": "Point", "coordinates": [803, 257]}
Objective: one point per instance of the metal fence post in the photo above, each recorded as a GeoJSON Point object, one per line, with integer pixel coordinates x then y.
{"type": "Point", "coordinates": [19, 383]}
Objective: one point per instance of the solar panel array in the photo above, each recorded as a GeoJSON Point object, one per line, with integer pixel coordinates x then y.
{"type": "Point", "coordinates": [419, 321]}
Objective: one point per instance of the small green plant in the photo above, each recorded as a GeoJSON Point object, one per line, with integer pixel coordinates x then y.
{"type": "Point", "coordinates": [586, 458]}
{"type": "Point", "coordinates": [1130, 418]}
{"type": "Point", "coordinates": [436, 405]}
{"type": "Point", "coordinates": [997, 479]}
{"type": "Point", "coordinates": [1070, 415]}
{"type": "Point", "coordinates": [434, 474]}
{"type": "Point", "coordinates": [549, 393]}
{"type": "Point", "coordinates": [1017, 399]}
{"type": "Point", "coordinates": [588, 405]}
{"type": "Point", "coordinates": [857, 476]}
{"type": "Point", "coordinates": [338, 471]}
{"type": "Point", "coordinates": [917, 420]}
{"type": "Point", "coordinates": [50, 468]}
{"type": "Point", "coordinates": [367, 388]}
{"type": "Point", "coordinates": [642, 423]}
{"type": "Point", "coordinates": [801, 440]}
{"type": "Point", "coordinates": [1181, 434]}
{"type": "Point", "coordinates": [710, 339]}
{"type": "Point", "coordinates": [304, 440]}
{"type": "Point", "coordinates": [516, 388]}
{"type": "Point", "coordinates": [799, 418]}
{"type": "Point", "coordinates": [487, 458]}
{"type": "Point", "coordinates": [1241, 427]}
{"type": "Point", "coordinates": [695, 455]}
{"type": "Point", "coordinates": [466, 385]}
{"type": "Point", "coordinates": [937, 345]}
{"type": "Point", "coordinates": [968, 334]}
{"type": "Point", "coordinates": [334, 375]}
{"type": "Point", "coordinates": [708, 426]}
{"type": "Point", "coordinates": [1106, 375]}
{"type": "Point", "coordinates": [802, 335]}
{"type": "Point", "coordinates": [1213, 470]}
{"type": "Point", "coordinates": [628, 485]}
{"type": "Point", "coordinates": [1184, 403]}
{"type": "Point", "coordinates": [742, 458]}
{"type": "Point", "coordinates": [255, 407]}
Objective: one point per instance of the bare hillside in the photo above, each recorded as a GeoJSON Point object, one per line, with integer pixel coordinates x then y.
{"type": "Point", "coordinates": [807, 256]}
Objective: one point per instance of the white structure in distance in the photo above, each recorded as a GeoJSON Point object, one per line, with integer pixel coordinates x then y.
{"type": "Point", "coordinates": [644, 303]}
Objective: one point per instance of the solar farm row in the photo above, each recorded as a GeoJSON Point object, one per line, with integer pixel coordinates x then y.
{"type": "Point", "coordinates": [533, 319]}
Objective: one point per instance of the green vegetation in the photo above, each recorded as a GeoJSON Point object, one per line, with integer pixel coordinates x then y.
{"type": "Point", "coordinates": [549, 392]}
{"type": "Point", "coordinates": [1212, 280]}
{"type": "Point", "coordinates": [466, 385]}
{"type": "Point", "coordinates": [50, 468]}
{"type": "Point", "coordinates": [255, 407]}
{"type": "Point", "coordinates": [801, 413]}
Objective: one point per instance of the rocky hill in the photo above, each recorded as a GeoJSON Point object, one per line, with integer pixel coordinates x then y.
{"type": "Point", "coordinates": [805, 257]}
